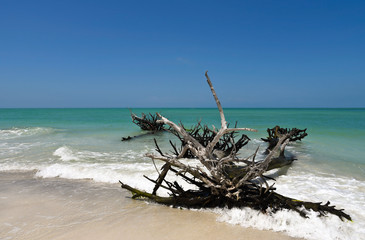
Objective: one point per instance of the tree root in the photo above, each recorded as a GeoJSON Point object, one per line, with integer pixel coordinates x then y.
{"type": "Point", "coordinates": [221, 177]}
{"type": "Point", "coordinates": [249, 198]}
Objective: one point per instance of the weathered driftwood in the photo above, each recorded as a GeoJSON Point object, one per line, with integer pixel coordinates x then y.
{"type": "Point", "coordinates": [276, 132]}
{"type": "Point", "coordinates": [227, 143]}
{"type": "Point", "coordinates": [223, 180]}
{"type": "Point", "coordinates": [267, 200]}
{"type": "Point", "coordinates": [204, 135]}
{"type": "Point", "coordinates": [147, 122]}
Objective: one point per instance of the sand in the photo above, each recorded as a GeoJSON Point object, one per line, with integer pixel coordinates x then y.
{"type": "Point", "coordinates": [35, 208]}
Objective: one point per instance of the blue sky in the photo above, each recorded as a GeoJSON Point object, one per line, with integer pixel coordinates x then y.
{"type": "Point", "coordinates": [155, 53]}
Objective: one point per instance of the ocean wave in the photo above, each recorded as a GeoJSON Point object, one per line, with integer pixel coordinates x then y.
{"type": "Point", "coordinates": [68, 153]}
{"type": "Point", "coordinates": [22, 132]}
{"type": "Point", "coordinates": [107, 173]}
{"type": "Point", "coordinates": [130, 173]}
{"type": "Point", "coordinates": [65, 154]}
{"type": "Point", "coordinates": [79, 171]}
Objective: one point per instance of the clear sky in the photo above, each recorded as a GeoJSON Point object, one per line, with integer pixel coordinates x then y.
{"type": "Point", "coordinates": [154, 53]}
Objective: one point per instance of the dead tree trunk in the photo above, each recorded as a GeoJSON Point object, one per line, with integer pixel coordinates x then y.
{"type": "Point", "coordinates": [215, 183]}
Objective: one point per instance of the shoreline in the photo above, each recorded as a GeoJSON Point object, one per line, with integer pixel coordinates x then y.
{"type": "Point", "coordinates": [55, 208]}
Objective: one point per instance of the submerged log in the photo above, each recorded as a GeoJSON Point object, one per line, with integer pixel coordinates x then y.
{"type": "Point", "coordinates": [138, 136]}
{"type": "Point", "coordinates": [224, 180]}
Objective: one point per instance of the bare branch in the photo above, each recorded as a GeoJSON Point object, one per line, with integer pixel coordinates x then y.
{"type": "Point", "coordinates": [223, 119]}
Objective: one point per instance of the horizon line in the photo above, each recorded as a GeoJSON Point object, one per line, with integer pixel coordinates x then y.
{"type": "Point", "coordinates": [181, 107]}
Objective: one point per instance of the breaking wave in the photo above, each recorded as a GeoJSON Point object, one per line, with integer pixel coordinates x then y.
{"type": "Point", "coordinates": [22, 132]}
{"type": "Point", "coordinates": [65, 154]}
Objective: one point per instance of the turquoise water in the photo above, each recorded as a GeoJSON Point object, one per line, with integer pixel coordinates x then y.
{"type": "Point", "coordinates": [336, 136]}
{"type": "Point", "coordinates": [86, 144]}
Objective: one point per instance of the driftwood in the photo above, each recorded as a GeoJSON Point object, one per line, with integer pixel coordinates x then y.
{"type": "Point", "coordinates": [204, 135]}
{"type": "Point", "coordinates": [224, 180]}
{"type": "Point", "coordinates": [138, 136]}
{"type": "Point", "coordinates": [227, 143]}
{"type": "Point", "coordinates": [276, 132]}
{"type": "Point", "coordinates": [147, 123]}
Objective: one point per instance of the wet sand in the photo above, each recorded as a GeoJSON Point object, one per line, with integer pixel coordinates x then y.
{"type": "Point", "coordinates": [34, 208]}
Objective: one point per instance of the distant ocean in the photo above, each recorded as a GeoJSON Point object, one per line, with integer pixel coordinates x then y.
{"type": "Point", "coordinates": [86, 144]}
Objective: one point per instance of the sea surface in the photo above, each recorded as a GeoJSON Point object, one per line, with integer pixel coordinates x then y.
{"type": "Point", "coordinates": [86, 144]}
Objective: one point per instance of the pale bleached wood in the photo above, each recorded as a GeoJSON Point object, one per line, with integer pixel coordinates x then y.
{"type": "Point", "coordinates": [223, 119]}
{"type": "Point", "coordinates": [223, 130]}
{"type": "Point", "coordinates": [215, 166]}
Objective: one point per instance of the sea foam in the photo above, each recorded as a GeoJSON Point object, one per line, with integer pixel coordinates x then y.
{"type": "Point", "coordinates": [346, 193]}
{"type": "Point", "coordinates": [292, 224]}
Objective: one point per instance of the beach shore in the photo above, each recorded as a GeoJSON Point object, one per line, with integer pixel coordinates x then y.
{"type": "Point", "coordinates": [54, 208]}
